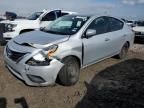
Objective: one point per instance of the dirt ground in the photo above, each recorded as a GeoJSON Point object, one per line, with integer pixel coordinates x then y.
{"type": "Point", "coordinates": [75, 96]}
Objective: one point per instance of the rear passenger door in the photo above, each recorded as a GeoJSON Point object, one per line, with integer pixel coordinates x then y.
{"type": "Point", "coordinates": [116, 35]}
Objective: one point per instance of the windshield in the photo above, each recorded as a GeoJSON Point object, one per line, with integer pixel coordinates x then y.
{"type": "Point", "coordinates": [67, 25]}
{"type": "Point", "coordinates": [140, 23]}
{"type": "Point", "coordinates": [35, 15]}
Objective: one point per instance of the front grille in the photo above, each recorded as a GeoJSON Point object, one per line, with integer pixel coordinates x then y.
{"type": "Point", "coordinates": [13, 55]}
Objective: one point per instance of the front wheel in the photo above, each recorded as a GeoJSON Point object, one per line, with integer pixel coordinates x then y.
{"type": "Point", "coordinates": [69, 74]}
{"type": "Point", "coordinates": [124, 51]}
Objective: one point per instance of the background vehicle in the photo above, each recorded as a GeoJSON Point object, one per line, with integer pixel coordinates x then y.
{"type": "Point", "coordinates": [130, 23]}
{"type": "Point", "coordinates": [139, 30]}
{"type": "Point", "coordinates": [10, 15]}
{"type": "Point", "coordinates": [10, 29]}
{"type": "Point", "coordinates": [68, 44]}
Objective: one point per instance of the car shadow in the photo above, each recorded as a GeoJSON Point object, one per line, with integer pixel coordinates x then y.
{"type": "Point", "coordinates": [118, 86]}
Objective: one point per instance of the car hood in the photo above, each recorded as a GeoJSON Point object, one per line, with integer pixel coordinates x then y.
{"type": "Point", "coordinates": [138, 29]}
{"type": "Point", "coordinates": [39, 39]}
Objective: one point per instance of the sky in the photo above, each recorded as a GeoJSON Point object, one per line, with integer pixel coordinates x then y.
{"type": "Point", "coordinates": [131, 9]}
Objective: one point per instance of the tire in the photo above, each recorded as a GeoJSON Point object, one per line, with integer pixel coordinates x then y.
{"type": "Point", "coordinates": [69, 74]}
{"type": "Point", "coordinates": [123, 52]}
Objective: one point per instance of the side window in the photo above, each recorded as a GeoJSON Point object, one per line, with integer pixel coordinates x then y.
{"type": "Point", "coordinates": [63, 13]}
{"type": "Point", "coordinates": [60, 14]}
{"type": "Point", "coordinates": [115, 24]}
{"type": "Point", "coordinates": [100, 25]}
{"type": "Point", "coordinates": [49, 17]}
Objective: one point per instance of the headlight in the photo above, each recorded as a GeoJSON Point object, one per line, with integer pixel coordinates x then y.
{"type": "Point", "coordinates": [42, 58]}
{"type": "Point", "coordinates": [38, 60]}
{"type": "Point", "coordinates": [51, 50]}
{"type": "Point", "coordinates": [10, 26]}
{"type": "Point", "coordinates": [39, 57]}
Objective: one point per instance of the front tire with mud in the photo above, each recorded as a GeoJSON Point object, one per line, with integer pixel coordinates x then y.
{"type": "Point", "coordinates": [69, 74]}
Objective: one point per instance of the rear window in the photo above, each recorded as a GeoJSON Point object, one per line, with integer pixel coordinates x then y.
{"type": "Point", "coordinates": [60, 14]}
{"type": "Point", "coordinates": [115, 24]}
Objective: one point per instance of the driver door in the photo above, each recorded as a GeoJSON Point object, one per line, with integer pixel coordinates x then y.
{"type": "Point", "coordinates": [95, 47]}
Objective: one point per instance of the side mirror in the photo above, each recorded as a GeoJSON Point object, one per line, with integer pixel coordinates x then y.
{"type": "Point", "coordinates": [90, 33]}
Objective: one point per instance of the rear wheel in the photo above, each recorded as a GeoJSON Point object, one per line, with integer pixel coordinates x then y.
{"type": "Point", "coordinates": [69, 74]}
{"type": "Point", "coordinates": [124, 51]}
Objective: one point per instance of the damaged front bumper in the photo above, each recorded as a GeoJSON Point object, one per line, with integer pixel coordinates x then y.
{"type": "Point", "coordinates": [35, 75]}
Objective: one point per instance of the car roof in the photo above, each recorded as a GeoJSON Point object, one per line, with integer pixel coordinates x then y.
{"type": "Point", "coordinates": [70, 12]}
{"type": "Point", "coordinates": [95, 16]}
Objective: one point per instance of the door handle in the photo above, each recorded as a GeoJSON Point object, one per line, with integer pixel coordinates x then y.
{"type": "Point", "coordinates": [107, 39]}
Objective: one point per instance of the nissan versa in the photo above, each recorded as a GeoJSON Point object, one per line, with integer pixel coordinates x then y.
{"type": "Point", "coordinates": [71, 42]}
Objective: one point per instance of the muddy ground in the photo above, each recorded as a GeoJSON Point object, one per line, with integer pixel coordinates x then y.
{"type": "Point", "coordinates": [119, 81]}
